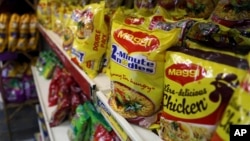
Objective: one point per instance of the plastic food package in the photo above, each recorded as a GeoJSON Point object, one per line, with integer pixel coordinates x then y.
{"type": "Point", "coordinates": [29, 87]}
{"type": "Point", "coordinates": [22, 43]}
{"type": "Point", "coordinates": [91, 39]}
{"type": "Point", "coordinates": [232, 13]}
{"type": "Point", "coordinates": [13, 31]}
{"type": "Point", "coordinates": [198, 85]}
{"type": "Point", "coordinates": [3, 31]}
{"type": "Point", "coordinates": [14, 90]}
{"type": "Point", "coordinates": [137, 56]}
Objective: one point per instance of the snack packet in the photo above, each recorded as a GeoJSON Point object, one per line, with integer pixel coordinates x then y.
{"type": "Point", "coordinates": [3, 31]}
{"type": "Point", "coordinates": [33, 39]}
{"type": "Point", "coordinates": [91, 39]}
{"type": "Point", "coordinates": [232, 13]}
{"type": "Point", "coordinates": [44, 13]}
{"type": "Point", "coordinates": [237, 110]}
{"type": "Point", "coordinates": [13, 32]}
{"type": "Point", "coordinates": [198, 85]}
{"type": "Point", "coordinates": [22, 43]}
{"type": "Point", "coordinates": [137, 64]}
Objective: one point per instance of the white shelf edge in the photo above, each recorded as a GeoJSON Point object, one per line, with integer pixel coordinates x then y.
{"type": "Point", "coordinates": [135, 132]}
{"type": "Point", "coordinates": [58, 133]}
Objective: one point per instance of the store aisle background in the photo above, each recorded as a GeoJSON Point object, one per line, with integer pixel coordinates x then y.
{"type": "Point", "coordinates": [23, 125]}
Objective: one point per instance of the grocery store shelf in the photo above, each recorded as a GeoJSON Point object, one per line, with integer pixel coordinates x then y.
{"type": "Point", "coordinates": [124, 129]}
{"type": "Point", "coordinates": [58, 133]}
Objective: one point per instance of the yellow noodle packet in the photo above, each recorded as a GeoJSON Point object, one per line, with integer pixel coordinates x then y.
{"type": "Point", "coordinates": [137, 64]}
{"type": "Point", "coordinates": [23, 38]}
{"type": "Point", "coordinates": [91, 38]}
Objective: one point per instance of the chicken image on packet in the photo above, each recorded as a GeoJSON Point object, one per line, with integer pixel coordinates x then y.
{"type": "Point", "coordinates": [136, 67]}
{"type": "Point", "coordinates": [236, 112]}
{"type": "Point", "coordinates": [198, 84]}
{"type": "Point", "coordinates": [91, 39]}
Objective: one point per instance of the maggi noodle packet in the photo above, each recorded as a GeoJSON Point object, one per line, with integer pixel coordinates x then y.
{"type": "Point", "coordinates": [137, 64]}
{"type": "Point", "coordinates": [3, 31]}
{"type": "Point", "coordinates": [144, 7]}
{"type": "Point", "coordinates": [91, 38]}
{"type": "Point", "coordinates": [237, 111]}
{"type": "Point", "coordinates": [198, 85]}
{"type": "Point", "coordinates": [13, 31]}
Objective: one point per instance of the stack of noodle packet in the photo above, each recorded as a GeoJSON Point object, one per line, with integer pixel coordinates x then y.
{"type": "Point", "coordinates": [136, 66]}
{"type": "Point", "coordinates": [236, 112]}
{"type": "Point", "coordinates": [199, 80]}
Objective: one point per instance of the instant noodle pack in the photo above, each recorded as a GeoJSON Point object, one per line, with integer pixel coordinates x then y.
{"type": "Point", "coordinates": [181, 65]}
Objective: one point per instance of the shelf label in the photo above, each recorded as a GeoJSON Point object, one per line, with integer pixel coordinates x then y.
{"type": "Point", "coordinates": [116, 126]}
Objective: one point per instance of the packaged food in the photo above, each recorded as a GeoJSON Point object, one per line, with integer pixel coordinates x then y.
{"type": "Point", "coordinates": [175, 8]}
{"type": "Point", "coordinates": [13, 31]}
{"type": "Point", "coordinates": [237, 111]}
{"type": "Point", "coordinates": [44, 13]}
{"type": "Point", "coordinates": [90, 42]}
{"type": "Point", "coordinates": [33, 33]}
{"type": "Point", "coordinates": [71, 18]}
{"type": "Point", "coordinates": [232, 13]}
{"type": "Point", "coordinates": [14, 90]}
{"type": "Point", "coordinates": [22, 43]}
{"type": "Point", "coordinates": [198, 85]}
{"type": "Point", "coordinates": [200, 8]}
{"type": "Point", "coordinates": [144, 7]}
{"type": "Point", "coordinates": [79, 124]}
{"type": "Point", "coordinates": [29, 87]}
{"type": "Point", "coordinates": [3, 31]}
{"type": "Point", "coordinates": [137, 56]}
{"type": "Point", "coordinates": [219, 37]}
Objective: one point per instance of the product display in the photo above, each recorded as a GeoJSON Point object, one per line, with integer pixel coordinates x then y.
{"type": "Point", "coordinates": [174, 66]}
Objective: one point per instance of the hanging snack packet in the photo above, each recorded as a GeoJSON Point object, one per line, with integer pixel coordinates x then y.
{"type": "Point", "coordinates": [137, 64]}
{"type": "Point", "coordinates": [198, 85]}
{"type": "Point", "coordinates": [3, 31]}
{"type": "Point", "coordinates": [23, 39]}
{"type": "Point", "coordinates": [91, 39]}
{"type": "Point", "coordinates": [13, 32]}
{"type": "Point", "coordinates": [237, 111]}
